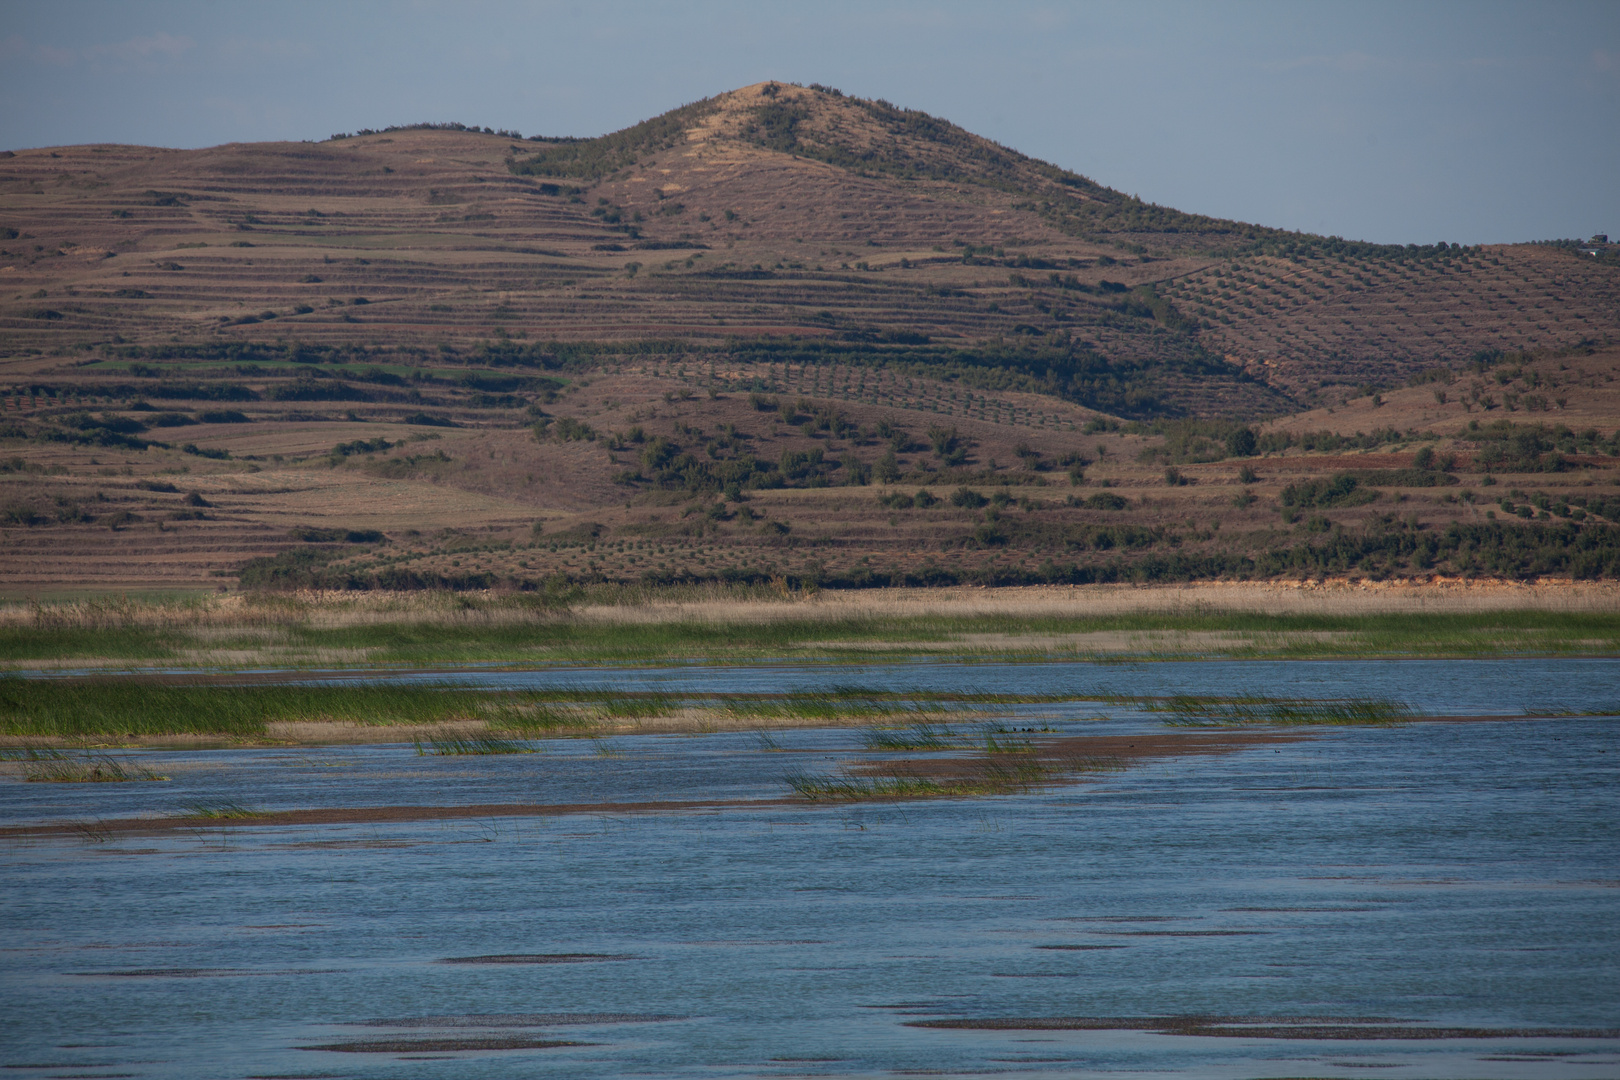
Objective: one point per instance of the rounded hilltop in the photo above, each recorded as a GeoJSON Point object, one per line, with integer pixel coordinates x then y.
{"type": "Point", "coordinates": [778, 335]}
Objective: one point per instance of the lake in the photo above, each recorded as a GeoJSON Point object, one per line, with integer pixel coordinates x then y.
{"type": "Point", "coordinates": [1437, 899]}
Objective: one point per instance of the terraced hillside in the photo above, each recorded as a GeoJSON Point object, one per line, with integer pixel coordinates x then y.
{"type": "Point", "coordinates": [1311, 325]}
{"type": "Point", "coordinates": [739, 342]}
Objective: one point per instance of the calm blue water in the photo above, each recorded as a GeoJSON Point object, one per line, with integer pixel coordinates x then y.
{"type": "Point", "coordinates": [1454, 873]}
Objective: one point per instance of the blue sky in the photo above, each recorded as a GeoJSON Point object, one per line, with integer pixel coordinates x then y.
{"type": "Point", "coordinates": [1395, 122]}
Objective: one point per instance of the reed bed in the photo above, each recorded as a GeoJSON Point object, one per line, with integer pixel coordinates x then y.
{"type": "Point", "coordinates": [528, 719]}
{"type": "Point", "coordinates": [432, 629]}
{"type": "Point", "coordinates": [103, 708]}
{"type": "Point", "coordinates": [826, 708]}
{"type": "Point", "coordinates": [627, 698]}
{"type": "Point", "coordinates": [554, 711]}
{"type": "Point", "coordinates": [720, 603]}
{"type": "Point", "coordinates": [133, 708]}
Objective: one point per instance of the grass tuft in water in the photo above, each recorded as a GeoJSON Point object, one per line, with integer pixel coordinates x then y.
{"type": "Point", "coordinates": [1001, 742]}
{"type": "Point", "coordinates": [55, 767]}
{"type": "Point", "coordinates": [452, 744]}
{"type": "Point", "coordinates": [1188, 711]}
{"type": "Point", "coordinates": [1024, 777]}
{"type": "Point", "coordinates": [915, 737]}
{"type": "Point", "coordinates": [30, 753]}
{"type": "Point", "coordinates": [832, 708]}
{"type": "Point", "coordinates": [986, 776]}
{"type": "Point", "coordinates": [223, 811]}
{"type": "Point", "coordinates": [853, 789]}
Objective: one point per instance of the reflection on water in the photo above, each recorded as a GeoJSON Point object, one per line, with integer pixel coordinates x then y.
{"type": "Point", "coordinates": [1363, 881]}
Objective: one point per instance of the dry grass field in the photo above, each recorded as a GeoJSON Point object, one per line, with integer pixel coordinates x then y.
{"type": "Point", "coordinates": [783, 338]}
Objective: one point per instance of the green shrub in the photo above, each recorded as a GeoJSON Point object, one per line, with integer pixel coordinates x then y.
{"type": "Point", "coordinates": [571, 429]}
{"type": "Point", "coordinates": [1341, 489]}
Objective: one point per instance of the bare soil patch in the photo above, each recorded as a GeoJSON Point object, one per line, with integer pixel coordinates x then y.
{"type": "Point", "coordinates": [1237, 1027]}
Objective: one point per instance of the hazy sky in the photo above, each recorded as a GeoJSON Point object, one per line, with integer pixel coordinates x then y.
{"type": "Point", "coordinates": [1400, 122]}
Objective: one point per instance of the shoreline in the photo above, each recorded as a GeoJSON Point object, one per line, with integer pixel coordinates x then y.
{"type": "Point", "coordinates": [1347, 595]}
{"type": "Point", "coordinates": [337, 632]}
{"type": "Point", "coordinates": [1329, 597]}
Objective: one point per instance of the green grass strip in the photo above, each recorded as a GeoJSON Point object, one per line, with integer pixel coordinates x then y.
{"type": "Point", "coordinates": [144, 708]}
{"type": "Point", "coordinates": [73, 709]}
{"type": "Point", "coordinates": [541, 638]}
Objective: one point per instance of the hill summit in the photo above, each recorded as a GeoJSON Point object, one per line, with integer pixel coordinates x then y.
{"type": "Point", "coordinates": [782, 334]}
{"type": "Point", "coordinates": [770, 211]}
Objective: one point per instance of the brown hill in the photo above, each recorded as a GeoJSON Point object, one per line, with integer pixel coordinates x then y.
{"type": "Point", "coordinates": [785, 211]}
{"type": "Point", "coordinates": [205, 355]}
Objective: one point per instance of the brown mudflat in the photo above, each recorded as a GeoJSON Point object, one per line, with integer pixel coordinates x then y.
{"type": "Point", "coordinates": [375, 814]}
{"type": "Point", "coordinates": [1308, 1028]}
{"type": "Point", "coordinates": [200, 973]}
{"type": "Point", "coordinates": [440, 1046]}
{"type": "Point", "coordinates": [537, 958]}
{"type": "Point", "coordinates": [1073, 755]}
{"type": "Point", "coordinates": [509, 1020]}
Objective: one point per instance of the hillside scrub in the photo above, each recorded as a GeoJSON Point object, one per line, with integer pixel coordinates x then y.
{"type": "Point", "coordinates": [871, 302]}
{"type": "Point", "coordinates": [1097, 554]}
